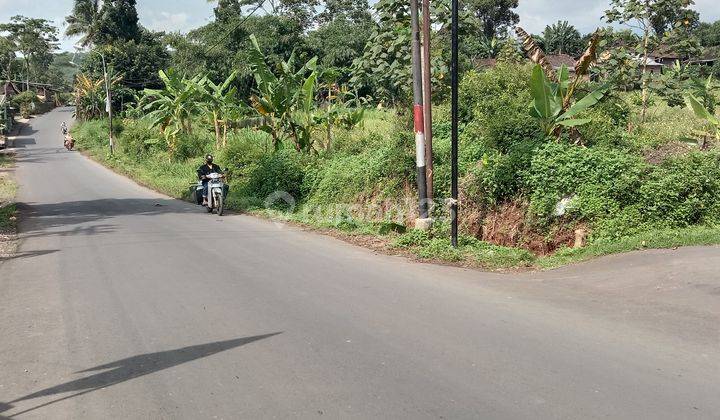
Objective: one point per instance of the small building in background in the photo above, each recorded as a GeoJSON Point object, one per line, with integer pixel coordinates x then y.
{"type": "Point", "coordinates": [652, 66]}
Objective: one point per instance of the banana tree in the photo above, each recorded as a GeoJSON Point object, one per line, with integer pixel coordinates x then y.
{"type": "Point", "coordinates": [217, 100]}
{"type": "Point", "coordinates": [552, 102]}
{"type": "Point", "coordinates": [284, 101]}
{"type": "Point", "coordinates": [712, 122]}
{"type": "Point", "coordinates": [172, 107]}
{"type": "Point", "coordinates": [90, 96]}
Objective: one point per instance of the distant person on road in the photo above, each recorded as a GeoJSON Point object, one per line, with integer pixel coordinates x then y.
{"type": "Point", "coordinates": [206, 169]}
{"type": "Point", "coordinates": [64, 129]}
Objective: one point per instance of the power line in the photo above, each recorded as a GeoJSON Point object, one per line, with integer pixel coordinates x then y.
{"type": "Point", "coordinates": [235, 28]}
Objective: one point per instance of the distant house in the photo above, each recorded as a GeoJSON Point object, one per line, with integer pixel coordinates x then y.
{"type": "Point", "coordinates": [11, 88]}
{"type": "Point", "coordinates": [708, 58]}
{"type": "Point", "coordinates": [664, 55]}
{"type": "Point", "coordinates": [557, 61]}
{"type": "Point", "coordinates": [652, 66]}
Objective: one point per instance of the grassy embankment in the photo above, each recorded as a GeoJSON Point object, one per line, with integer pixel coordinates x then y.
{"type": "Point", "coordinates": [361, 169]}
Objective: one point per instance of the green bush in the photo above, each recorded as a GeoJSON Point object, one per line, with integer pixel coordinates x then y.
{"type": "Point", "coordinates": [683, 191]}
{"type": "Point", "coordinates": [244, 149]}
{"type": "Point", "coordinates": [139, 138]}
{"type": "Point", "coordinates": [26, 102]}
{"type": "Point", "coordinates": [193, 145]}
{"type": "Point", "coordinates": [498, 100]}
{"type": "Point", "coordinates": [282, 171]}
{"type": "Point", "coordinates": [376, 172]}
{"type": "Point", "coordinates": [601, 180]}
{"type": "Point", "coordinates": [498, 177]}
{"type": "Point", "coordinates": [608, 127]}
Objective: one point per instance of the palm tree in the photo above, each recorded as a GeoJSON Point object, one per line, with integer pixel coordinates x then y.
{"type": "Point", "coordinates": [84, 21]}
{"type": "Point", "coordinates": [562, 38]}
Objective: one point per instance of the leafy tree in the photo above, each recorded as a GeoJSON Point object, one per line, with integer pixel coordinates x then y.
{"type": "Point", "coordinates": [618, 66]}
{"type": "Point", "coordinates": [667, 14]}
{"type": "Point", "coordinates": [118, 21]}
{"type": "Point", "coordinates": [708, 33]}
{"type": "Point", "coordinates": [493, 16]}
{"type": "Point", "coordinates": [35, 40]}
{"type": "Point", "coordinates": [356, 11]}
{"type": "Point", "coordinates": [338, 42]}
{"type": "Point", "coordinates": [137, 61]}
{"type": "Point", "coordinates": [227, 10]}
{"type": "Point", "coordinates": [562, 38]}
{"type": "Point", "coordinates": [384, 67]}
{"type": "Point", "coordinates": [650, 18]}
{"type": "Point", "coordinates": [105, 22]}
{"type": "Point", "coordinates": [7, 57]}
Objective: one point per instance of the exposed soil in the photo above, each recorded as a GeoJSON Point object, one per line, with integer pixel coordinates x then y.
{"type": "Point", "coordinates": [660, 154]}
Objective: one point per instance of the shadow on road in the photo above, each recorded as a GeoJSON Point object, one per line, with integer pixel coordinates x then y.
{"type": "Point", "coordinates": [132, 367]}
{"type": "Point", "coordinates": [28, 254]}
{"type": "Point", "coordinates": [23, 142]}
{"type": "Point", "coordinates": [38, 218]}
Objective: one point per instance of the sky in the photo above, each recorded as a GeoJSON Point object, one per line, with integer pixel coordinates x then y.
{"type": "Point", "coordinates": [184, 15]}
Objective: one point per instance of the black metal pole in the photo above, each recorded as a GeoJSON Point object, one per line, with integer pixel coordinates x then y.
{"type": "Point", "coordinates": [454, 127]}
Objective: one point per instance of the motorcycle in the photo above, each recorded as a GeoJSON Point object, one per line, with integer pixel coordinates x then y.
{"type": "Point", "coordinates": [217, 192]}
{"type": "Point", "coordinates": [69, 143]}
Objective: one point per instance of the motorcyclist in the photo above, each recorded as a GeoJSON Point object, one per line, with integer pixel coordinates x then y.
{"type": "Point", "coordinates": [64, 129]}
{"type": "Point", "coordinates": [203, 171]}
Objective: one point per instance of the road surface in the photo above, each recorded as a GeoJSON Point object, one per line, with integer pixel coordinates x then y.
{"type": "Point", "coordinates": [122, 303]}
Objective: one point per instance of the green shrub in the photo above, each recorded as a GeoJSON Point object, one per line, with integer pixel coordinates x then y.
{"type": "Point", "coordinates": [244, 149]}
{"type": "Point", "coordinates": [683, 191]}
{"type": "Point", "coordinates": [608, 127]}
{"type": "Point", "coordinates": [376, 172]}
{"type": "Point", "coordinates": [281, 171]}
{"type": "Point", "coordinates": [194, 145]}
{"type": "Point", "coordinates": [139, 138]}
{"type": "Point", "coordinates": [26, 102]}
{"type": "Point", "coordinates": [601, 180]}
{"type": "Point", "coordinates": [498, 100]}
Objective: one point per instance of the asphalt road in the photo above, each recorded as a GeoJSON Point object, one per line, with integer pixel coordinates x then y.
{"type": "Point", "coordinates": [123, 303]}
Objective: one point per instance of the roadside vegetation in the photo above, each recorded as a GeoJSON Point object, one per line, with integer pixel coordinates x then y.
{"type": "Point", "coordinates": [7, 205]}
{"type": "Point", "coordinates": [309, 109]}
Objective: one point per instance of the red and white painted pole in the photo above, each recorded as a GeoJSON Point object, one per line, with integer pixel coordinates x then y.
{"type": "Point", "coordinates": [423, 221]}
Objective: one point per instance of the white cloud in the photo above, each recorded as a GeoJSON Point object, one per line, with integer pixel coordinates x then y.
{"type": "Point", "coordinates": [166, 21]}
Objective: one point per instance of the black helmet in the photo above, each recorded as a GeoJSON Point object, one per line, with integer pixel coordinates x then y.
{"type": "Point", "coordinates": [209, 158]}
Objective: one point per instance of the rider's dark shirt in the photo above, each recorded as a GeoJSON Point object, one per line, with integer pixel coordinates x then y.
{"type": "Point", "coordinates": [206, 170]}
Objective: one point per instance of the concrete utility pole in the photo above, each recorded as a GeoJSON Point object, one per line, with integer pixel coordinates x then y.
{"type": "Point", "coordinates": [108, 103]}
{"type": "Point", "coordinates": [427, 97]}
{"type": "Point", "coordinates": [454, 128]}
{"type": "Point", "coordinates": [423, 222]}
